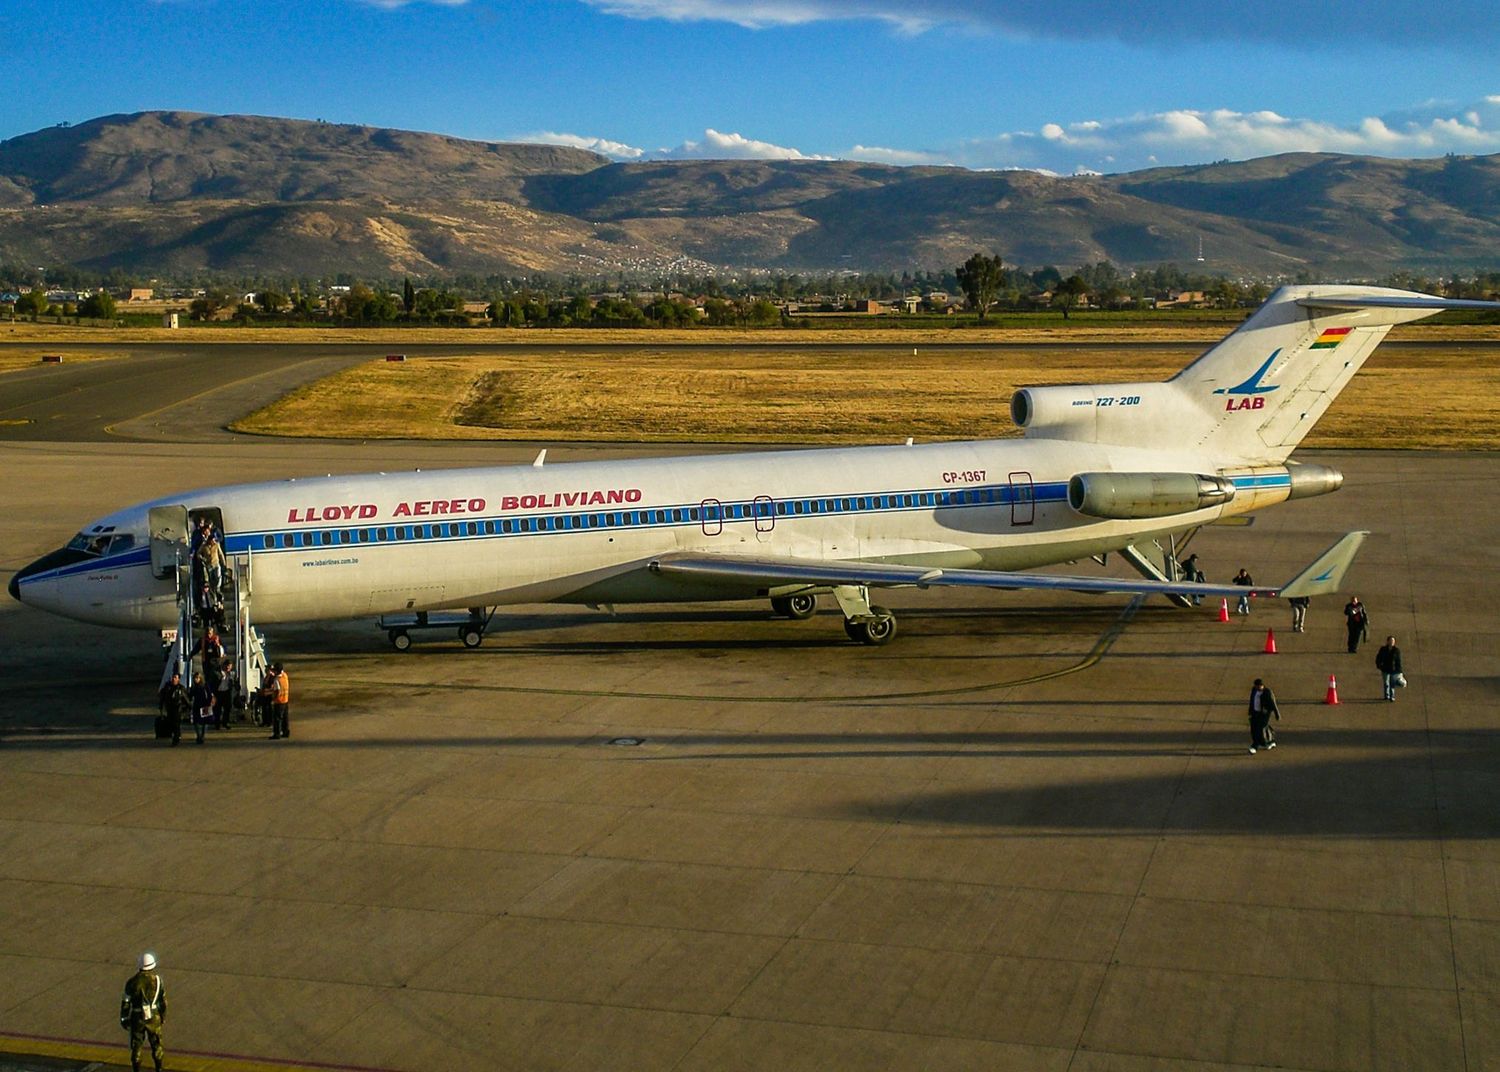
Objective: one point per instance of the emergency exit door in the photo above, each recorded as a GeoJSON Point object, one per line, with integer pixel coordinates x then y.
{"type": "Point", "coordinates": [1022, 499]}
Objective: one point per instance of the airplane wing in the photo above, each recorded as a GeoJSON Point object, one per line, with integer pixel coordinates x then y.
{"type": "Point", "coordinates": [1323, 575]}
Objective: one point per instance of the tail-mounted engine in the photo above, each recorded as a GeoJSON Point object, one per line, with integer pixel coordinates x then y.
{"type": "Point", "coordinates": [1126, 496]}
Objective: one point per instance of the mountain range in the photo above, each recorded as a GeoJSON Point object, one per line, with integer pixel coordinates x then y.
{"type": "Point", "coordinates": [162, 193]}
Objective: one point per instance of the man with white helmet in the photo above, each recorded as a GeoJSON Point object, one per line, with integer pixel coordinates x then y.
{"type": "Point", "coordinates": [143, 1011]}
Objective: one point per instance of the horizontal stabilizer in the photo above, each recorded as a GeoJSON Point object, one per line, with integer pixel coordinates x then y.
{"type": "Point", "coordinates": [1326, 574]}
{"type": "Point", "coordinates": [1391, 301]}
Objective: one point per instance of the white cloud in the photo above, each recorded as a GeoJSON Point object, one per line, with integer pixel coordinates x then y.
{"type": "Point", "coordinates": [1178, 136]}
{"type": "Point", "coordinates": [1189, 136]}
{"type": "Point", "coordinates": [763, 14]}
{"type": "Point", "coordinates": [391, 5]}
{"type": "Point", "coordinates": [876, 154]}
{"type": "Point", "coordinates": [1402, 23]}
{"type": "Point", "coordinates": [718, 146]}
{"type": "Point", "coordinates": [715, 145]}
{"type": "Point", "coordinates": [615, 150]}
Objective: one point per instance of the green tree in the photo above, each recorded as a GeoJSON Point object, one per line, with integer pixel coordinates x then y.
{"type": "Point", "coordinates": [408, 296]}
{"type": "Point", "coordinates": [980, 278]}
{"type": "Point", "coordinates": [33, 303]}
{"type": "Point", "coordinates": [1066, 293]}
{"type": "Point", "coordinates": [99, 305]}
{"type": "Point", "coordinates": [272, 301]}
{"type": "Point", "coordinates": [763, 313]}
{"type": "Point", "coordinates": [719, 312]}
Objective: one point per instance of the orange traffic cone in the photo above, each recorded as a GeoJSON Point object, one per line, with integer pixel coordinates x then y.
{"type": "Point", "coordinates": [1223, 610]}
{"type": "Point", "coordinates": [1333, 691]}
{"type": "Point", "coordinates": [1270, 642]}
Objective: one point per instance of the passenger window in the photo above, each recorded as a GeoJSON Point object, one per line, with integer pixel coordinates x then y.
{"type": "Point", "coordinates": [489, 528]}
{"type": "Point", "coordinates": [270, 542]}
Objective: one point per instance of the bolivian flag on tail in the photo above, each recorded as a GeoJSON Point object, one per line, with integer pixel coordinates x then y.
{"type": "Point", "coordinates": [1330, 338]}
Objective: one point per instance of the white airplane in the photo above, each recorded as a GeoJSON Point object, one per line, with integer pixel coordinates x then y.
{"type": "Point", "coordinates": [1101, 467]}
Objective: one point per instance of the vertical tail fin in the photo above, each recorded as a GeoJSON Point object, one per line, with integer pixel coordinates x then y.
{"type": "Point", "coordinates": [1263, 388]}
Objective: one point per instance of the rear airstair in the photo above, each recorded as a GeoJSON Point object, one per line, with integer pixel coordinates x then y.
{"type": "Point", "coordinates": [1158, 563]}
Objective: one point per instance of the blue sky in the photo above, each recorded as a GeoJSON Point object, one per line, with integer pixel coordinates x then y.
{"type": "Point", "coordinates": [1064, 86]}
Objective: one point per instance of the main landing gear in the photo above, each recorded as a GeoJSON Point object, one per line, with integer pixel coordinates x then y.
{"type": "Point", "coordinates": [798, 608]}
{"type": "Point", "coordinates": [864, 624]}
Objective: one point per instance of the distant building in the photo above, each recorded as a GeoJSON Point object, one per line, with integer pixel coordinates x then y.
{"type": "Point", "coordinates": [868, 306]}
{"type": "Point", "coordinates": [140, 294]}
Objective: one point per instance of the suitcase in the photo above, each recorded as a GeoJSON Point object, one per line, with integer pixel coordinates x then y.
{"type": "Point", "coordinates": [163, 728]}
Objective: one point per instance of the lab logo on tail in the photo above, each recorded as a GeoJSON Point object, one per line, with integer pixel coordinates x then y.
{"type": "Point", "coordinates": [1252, 389]}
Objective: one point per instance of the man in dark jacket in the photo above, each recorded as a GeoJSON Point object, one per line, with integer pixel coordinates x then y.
{"type": "Point", "coordinates": [1357, 621]}
{"type": "Point", "coordinates": [175, 703]}
{"type": "Point", "coordinates": [1388, 662]}
{"type": "Point", "coordinates": [143, 1011]}
{"type": "Point", "coordinates": [1262, 708]}
{"type": "Point", "coordinates": [1243, 579]}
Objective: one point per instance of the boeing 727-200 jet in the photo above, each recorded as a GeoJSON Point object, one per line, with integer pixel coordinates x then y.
{"type": "Point", "coordinates": [1100, 468]}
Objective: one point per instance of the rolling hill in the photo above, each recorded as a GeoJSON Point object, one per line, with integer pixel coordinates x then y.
{"type": "Point", "coordinates": [167, 192]}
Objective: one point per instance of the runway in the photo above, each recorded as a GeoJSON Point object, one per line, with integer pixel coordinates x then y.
{"type": "Point", "coordinates": [1027, 835]}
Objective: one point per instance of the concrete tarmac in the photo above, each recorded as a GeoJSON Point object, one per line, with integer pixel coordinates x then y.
{"type": "Point", "coordinates": [1027, 835]}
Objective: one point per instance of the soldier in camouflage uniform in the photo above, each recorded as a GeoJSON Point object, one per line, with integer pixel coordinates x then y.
{"type": "Point", "coordinates": [143, 1011]}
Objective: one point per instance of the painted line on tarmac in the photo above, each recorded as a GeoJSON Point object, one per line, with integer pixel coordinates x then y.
{"type": "Point", "coordinates": [92, 1052]}
{"type": "Point", "coordinates": [1098, 651]}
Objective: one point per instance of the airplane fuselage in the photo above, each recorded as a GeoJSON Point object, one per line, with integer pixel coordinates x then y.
{"type": "Point", "coordinates": [361, 546]}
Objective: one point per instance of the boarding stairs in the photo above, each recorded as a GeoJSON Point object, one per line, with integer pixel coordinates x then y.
{"type": "Point", "coordinates": [242, 641]}
{"type": "Point", "coordinates": [1158, 563]}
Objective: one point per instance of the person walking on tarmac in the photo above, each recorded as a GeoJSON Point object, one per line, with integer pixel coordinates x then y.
{"type": "Point", "coordinates": [175, 703]}
{"type": "Point", "coordinates": [1388, 662]}
{"type": "Point", "coordinates": [1262, 707]}
{"type": "Point", "coordinates": [1357, 621]}
{"type": "Point", "coordinates": [143, 1011]}
{"type": "Point", "coordinates": [279, 691]}
{"type": "Point", "coordinates": [1243, 579]}
{"type": "Point", "coordinates": [203, 706]}
{"type": "Point", "coordinates": [1299, 605]}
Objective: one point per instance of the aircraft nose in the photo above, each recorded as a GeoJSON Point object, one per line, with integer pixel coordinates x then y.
{"type": "Point", "coordinates": [61, 557]}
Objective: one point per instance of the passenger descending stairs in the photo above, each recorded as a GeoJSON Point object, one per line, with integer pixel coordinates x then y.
{"type": "Point", "coordinates": [242, 641]}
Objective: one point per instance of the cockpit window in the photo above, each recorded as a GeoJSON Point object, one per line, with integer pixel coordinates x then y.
{"type": "Point", "coordinates": [106, 542]}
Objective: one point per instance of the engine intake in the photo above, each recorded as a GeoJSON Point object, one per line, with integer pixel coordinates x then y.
{"type": "Point", "coordinates": [1127, 496]}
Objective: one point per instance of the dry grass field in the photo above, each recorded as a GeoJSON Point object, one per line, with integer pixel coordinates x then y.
{"type": "Point", "coordinates": [1081, 329]}
{"type": "Point", "coordinates": [1430, 399]}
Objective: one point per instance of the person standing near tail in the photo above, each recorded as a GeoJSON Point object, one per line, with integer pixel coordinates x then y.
{"type": "Point", "coordinates": [1299, 605]}
{"type": "Point", "coordinates": [1388, 662]}
{"type": "Point", "coordinates": [143, 1011]}
{"type": "Point", "coordinates": [1357, 621]}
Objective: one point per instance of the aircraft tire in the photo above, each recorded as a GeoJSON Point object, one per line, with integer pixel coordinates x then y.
{"type": "Point", "coordinates": [471, 637]}
{"type": "Point", "coordinates": [879, 631]}
{"type": "Point", "coordinates": [400, 639]}
{"type": "Point", "coordinates": [798, 608]}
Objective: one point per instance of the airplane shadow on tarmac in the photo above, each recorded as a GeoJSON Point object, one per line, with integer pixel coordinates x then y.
{"type": "Point", "coordinates": [1394, 785]}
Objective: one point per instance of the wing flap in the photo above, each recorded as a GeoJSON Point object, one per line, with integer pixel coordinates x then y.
{"type": "Point", "coordinates": [816, 573]}
{"type": "Point", "coordinates": [1324, 575]}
